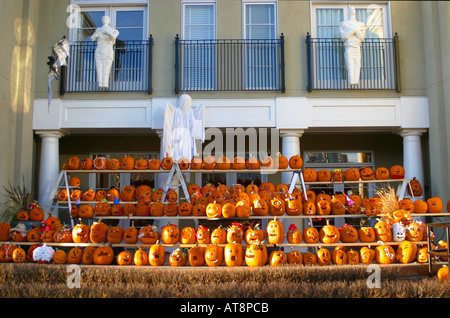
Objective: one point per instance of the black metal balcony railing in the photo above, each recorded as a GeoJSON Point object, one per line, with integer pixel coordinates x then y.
{"type": "Point", "coordinates": [131, 70]}
{"type": "Point", "coordinates": [229, 65]}
{"type": "Point", "coordinates": [326, 67]}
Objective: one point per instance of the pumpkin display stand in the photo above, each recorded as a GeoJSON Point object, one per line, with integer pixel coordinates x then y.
{"type": "Point", "coordinates": [274, 248]}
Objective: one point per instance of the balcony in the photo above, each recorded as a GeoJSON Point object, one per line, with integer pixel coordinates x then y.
{"type": "Point", "coordinates": [130, 72]}
{"type": "Point", "coordinates": [229, 65]}
{"type": "Point", "coordinates": [326, 69]}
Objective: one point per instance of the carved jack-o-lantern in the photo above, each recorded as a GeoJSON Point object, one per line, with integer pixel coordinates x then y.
{"type": "Point", "coordinates": [294, 258]}
{"type": "Point", "coordinates": [187, 235]}
{"type": "Point", "coordinates": [256, 254]}
{"type": "Point", "coordinates": [203, 235]}
{"type": "Point", "coordinates": [277, 258]}
{"type": "Point", "coordinates": [383, 231]}
{"type": "Point", "coordinates": [384, 254]}
{"type": "Point", "coordinates": [329, 234]}
{"type": "Point", "coordinates": [367, 173]}
{"type": "Point", "coordinates": [406, 252]}
{"type": "Point", "coordinates": [170, 234]}
{"type": "Point", "coordinates": [348, 234]}
{"type": "Point", "coordinates": [103, 255]}
{"type": "Point", "coordinates": [309, 175]}
{"type": "Point", "coordinates": [366, 255]}
{"type": "Point", "coordinates": [311, 235]}
{"type": "Point", "coordinates": [323, 256]}
{"type": "Point", "coordinates": [397, 172]}
{"type": "Point", "coordinates": [275, 232]}
{"type": "Point", "coordinates": [233, 254]}
{"type": "Point", "coordinates": [124, 258]}
{"type": "Point", "coordinates": [366, 234]}
{"type": "Point", "coordinates": [296, 162]}
{"type": "Point", "coordinates": [148, 234]}
{"type": "Point", "coordinates": [294, 235]}
{"type": "Point", "coordinates": [80, 233]}
{"type": "Point", "coordinates": [156, 255]}
{"type": "Point", "coordinates": [214, 255]}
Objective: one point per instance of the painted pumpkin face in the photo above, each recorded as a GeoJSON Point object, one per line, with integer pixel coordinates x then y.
{"type": "Point", "coordinates": [294, 235]}
{"type": "Point", "coordinates": [99, 163]}
{"type": "Point", "coordinates": [203, 235]}
{"type": "Point", "coordinates": [309, 208]}
{"type": "Point", "coordinates": [352, 174]}
{"type": "Point", "coordinates": [143, 191]}
{"type": "Point", "coordinates": [86, 211]}
{"type": "Point", "coordinates": [235, 233]}
{"type": "Point", "coordinates": [281, 162]}
{"type": "Point", "coordinates": [74, 181]}
{"type": "Point", "coordinates": [177, 258]}
{"type": "Point", "coordinates": [348, 234]}
{"type": "Point", "coordinates": [414, 232]}
{"type": "Point", "coordinates": [295, 162]}
{"type": "Point", "coordinates": [324, 175]}
{"type": "Point", "coordinates": [87, 164]}
{"type": "Point", "coordinates": [382, 173]}
{"type": "Point", "coordinates": [127, 163]}
{"type": "Point", "coordinates": [124, 258]}
{"type": "Point", "coordinates": [254, 234]}
{"type": "Point", "coordinates": [277, 258]}
{"type": "Point", "coordinates": [113, 164]}
{"type": "Point", "coordinates": [338, 175]}
{"type": "Point", "coordinates": [415, 188]}
{"type": "Point", "coordinates": [19, 255]}
{"type": "Point", "coordinates": [352, 257]}
{"type": "Point", "coordinates": [60, 257]}
{"type": "Point", "coordinates": [115, 234]}
{"type": "Point", "coordinates": [148, 234]}
{"type": "Point", "coordinates": [309, 175]}
{"type": "Point", "coordinates": [384, 254]}
{"type": "Point", "coordinates": [397, 172]}
{"type": "Point", "coordinates": [435, 205]}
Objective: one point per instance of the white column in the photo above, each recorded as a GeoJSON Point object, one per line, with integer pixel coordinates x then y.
{"type": "Point", "coordinates": [290, 146]}
{"type": "Point", "coordinates": [49, 164]}
{"type": "Point", "coordinates": [412, 154]}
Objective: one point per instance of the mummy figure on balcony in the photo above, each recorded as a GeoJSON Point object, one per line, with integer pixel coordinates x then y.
{"type": "Point", "coordinates": [104, 54]}
{"type": "Point", "coordinates": [352, 32]}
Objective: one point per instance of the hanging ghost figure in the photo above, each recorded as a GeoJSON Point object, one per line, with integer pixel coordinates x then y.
{"type": "Point", "coordinates": [183, 126]}
{"type": "Point", "coordinates": [104, 54]}
{"type": "Point", "coordinates": [352, 32]}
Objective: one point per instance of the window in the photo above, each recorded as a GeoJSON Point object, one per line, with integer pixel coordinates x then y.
{"type": "Point", "coordinates": [198, 55]}
{"type": "Point", "coordinates": [261, 54]}
{"type": "Point", "coordinates": [329, 54]}
{"type": "Point", "coordinates": [130, 61]}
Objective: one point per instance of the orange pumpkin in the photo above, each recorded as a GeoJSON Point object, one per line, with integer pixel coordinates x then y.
{"type": "Point", "coordinates": [275, 232]}
{"type": "Point", "coordinates": [127, 163]}
{"type": "Point", "coordinates": [382, 173]}
{"type": "Point", "coordinates": [166, 163]}
{"type": "Point", "coordinates": [196, 163]}
{"type": "Point", "coordinates": [367, 173]}
{"type": "Point", "coordinates": [183, 163]}
{"type": "Point", "coordinates": [435, 205]}
{"type": "Point", "coordinates": [296, 162]}
{"type": "Point", "coordinates": [113, 164]}
{"type": "Point", "coordinates": [223, 163]}
{"type": "Point", "coordinates": [281, 162]}
{"type": "Point", "coordinates": [397, 172]}
{"type": "Point", "coordinates": [154, 164]}
{"type": "Point", "coordinates": [309, 175]}
{"type": "Point", "coordinates": [73, 163]}
{"type": "Point", "coordinates": [141, 164]}
{"type": "Point", "coordinates": [87, 164]}
{"type": "Point", "coordinates": [209, 163]}
{"type": "Point", "coordinates": [103, 255]}
{"type": "Point", "coordinates": [99, 163]}
{"type": "Point", "coordinates": [352, 174]}
{"type": "Point", "coordinates": [98, 232]}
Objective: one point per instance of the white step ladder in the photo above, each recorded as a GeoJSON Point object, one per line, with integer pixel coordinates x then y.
{"type": "Point", "coordinates": [52, 206]}
{"type": "Point", "coordinates": [170, 179]}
